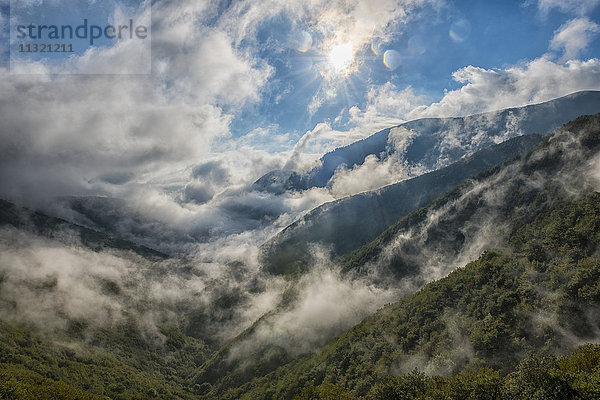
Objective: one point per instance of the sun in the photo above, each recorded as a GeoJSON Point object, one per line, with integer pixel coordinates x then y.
{"type": "Point", "coordinates": [340, 57]}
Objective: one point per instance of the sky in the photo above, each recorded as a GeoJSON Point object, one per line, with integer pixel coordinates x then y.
{"type": "Point", "coordinates": [425, 48]}
{"type": "Point", "coordinates": [230, 90]}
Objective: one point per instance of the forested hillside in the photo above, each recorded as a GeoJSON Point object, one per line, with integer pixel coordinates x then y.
{"type": "Point", "coordinates": [346, 224]}
{"type": "Point", "coordinates": [539, 296]}
{"type": "Point", "coordinates": [487, 212]}
{"type": "Point", "coordinates": [500, 326]}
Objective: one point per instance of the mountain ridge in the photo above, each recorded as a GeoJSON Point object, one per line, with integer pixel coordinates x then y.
{"type": "Point", "coordinates": [442, 242]}
{"type": "Point", "coordinates": [347, 223]}
{"type": "Point", "coordinates": [554, 244]}
{"type": "Point", "coordinates": [525, 119]}
{"type": "Point", "coordinates": [53, 227]}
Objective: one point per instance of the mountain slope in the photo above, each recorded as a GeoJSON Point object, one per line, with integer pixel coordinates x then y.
{"type": "Point", "coordinates": [535, 288]}
{"type": "Point", "coordinates": [41, 224]}
{"type": "Point", "coordinates": [542, 293]}
{"type": "Point", "coordinates": [438, 142]}
{"type": "Point", "coordinates": [54, 344]}
{"type": "Point", "coordinates": [428, 244]}
{"type": "Point", "coordinates": [488, 208]}
{"type": "Point", "coordinates": [343, 225]}
{"type": "Point", "coordinates": [118, 364]}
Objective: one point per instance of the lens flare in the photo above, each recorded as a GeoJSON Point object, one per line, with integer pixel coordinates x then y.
{"type": "Point", "coordinates": [417, 45]}
{"type": "Point", "coordinates": [460, 30]}
{"type": "Point", "coordinates": [377, 46]}
{"type": "Point", "coordinates": [391, 59]}
{"type": "Point", "coordinates": [340, 56]}
{"type": "Point", "coordinates": [303, 41]}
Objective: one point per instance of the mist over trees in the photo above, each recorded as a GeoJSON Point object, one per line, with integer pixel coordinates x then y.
{"type": "Point", "coordinates": [488, 288]}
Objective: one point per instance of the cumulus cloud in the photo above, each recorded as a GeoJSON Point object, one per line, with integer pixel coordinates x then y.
{"type": "Point", "coordinates": [205, 68]}
{"type": "Point", "coordinates": [335, 21]}
{"type": "Point", "coordinates": [208, 178]}
{"type": "Point", "coordinates": [211, 171]}
{"type": "Point", "coordinates": [573, 37]}
{"type": "Point", "coordinates": [493, 89]}
{"type": "Point", "coordinates": [197, 192]}
{"type": "Point", "coordinates": [80, 128]}
{"type": "Point", "coordinates": [386, 106]}
{"type": "Point", "coordinates": [85, 134]}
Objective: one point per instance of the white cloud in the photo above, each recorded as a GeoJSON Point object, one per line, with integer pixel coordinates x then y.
{"type": "Point", "coordinates": [353, 20]}
{"type": "Point", "coordinates": [62, 134]}
{"type": "Point", "coordinates": [567, 6]}
{"type": "Point", "coordinates": [573, 37]}
{"type": "Point", "coordinates": [325, 304]}
{"type": "Point", "coordinates": [373, 173]}
{"type": "Point", "coordinates": [386, 106]}
{"type": "Point", "coordinates": [209, 70]}
{"type": "Point", "coordinates": [333, 22]}
{"type": "Point", "coordinates": [78, 130]}
{"type": "Point", "coordinates": [494, 89]}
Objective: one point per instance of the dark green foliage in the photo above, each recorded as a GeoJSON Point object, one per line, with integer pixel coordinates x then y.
{"type": "Point", "coordinates": [326, 391]}
{"type": "Point", "coordinates": [22, 384]}
{"type": "Point", "coordinates": [120, 364]}
{"type": "Point", "coordinates": [576, 376]}
{"type": "Point", "coordinates": [406, 387]}
{"type": "Point", "coordinates": [488, 314]}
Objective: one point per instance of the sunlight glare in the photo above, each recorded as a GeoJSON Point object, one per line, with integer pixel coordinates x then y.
{"type": "Point", "coordinates": [340, 56]}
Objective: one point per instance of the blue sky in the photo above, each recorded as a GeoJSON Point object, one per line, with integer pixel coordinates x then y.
{"type": "Point", "coordinates": [487, 34]}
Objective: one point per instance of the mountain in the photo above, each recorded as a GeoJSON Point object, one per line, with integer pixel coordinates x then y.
{"type": "Point", "coordinates": [422, 145]}
{"type": "Point", "coordinates": [118, 218]}
{"type": "Point", "coordinates": [433, 143]}
{"type": "Point", "coordinates": [540, 214]}
{"type": "Point", "coordinates": [487, 209]}
{"type": "Point", "coordinates": [343, 225]}
{"type": "Point", "coordinates": [52, 227]}
{"type": "Point", "coordinates": [495, 280]}
{"type": "Point", "coordinates": [533, 287]}
{"type": "Point", "coordinates": [539, 295]}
